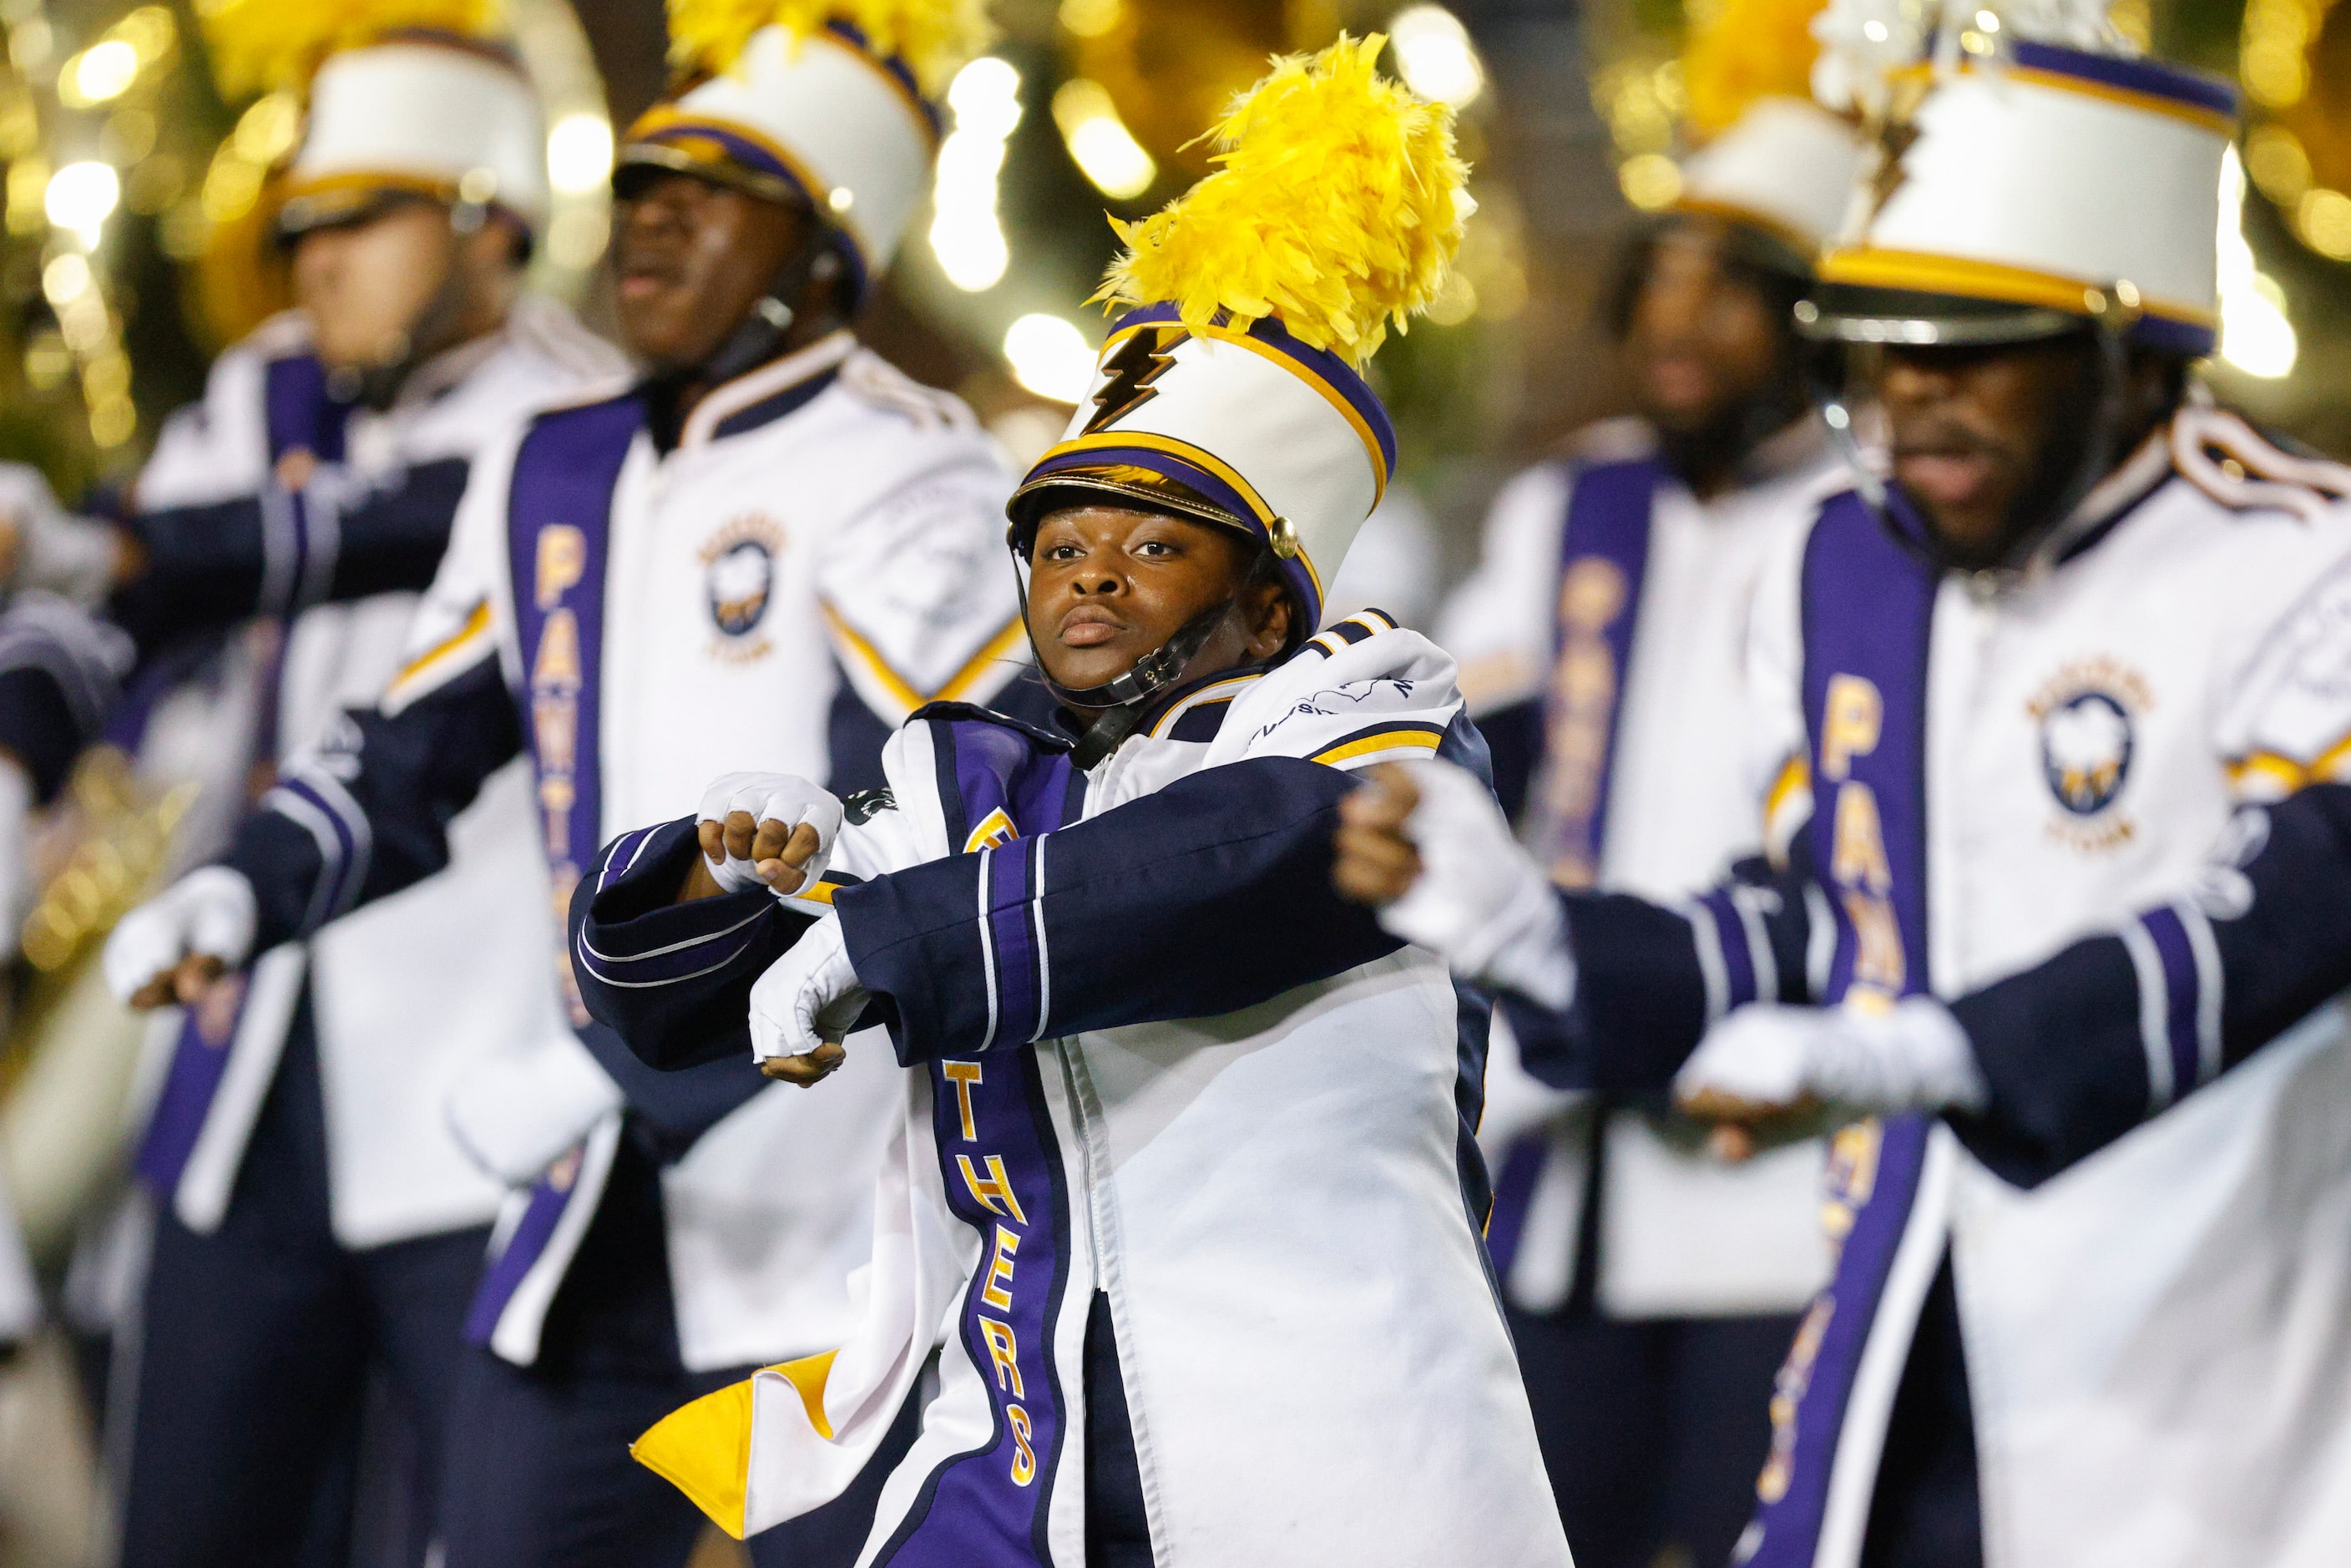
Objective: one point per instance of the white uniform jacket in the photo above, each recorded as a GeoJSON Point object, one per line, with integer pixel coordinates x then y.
{"type": "Point", "coordinates": [1603, 642]}
{"type": "Point", "coordinates": [1154, 1057]}
{"type": "Point", "coordinates": [820, 552]}
{"type": "Point", "coordinates": [270, 498]}
{"type": "Point", "coordinates": [1981, 770]}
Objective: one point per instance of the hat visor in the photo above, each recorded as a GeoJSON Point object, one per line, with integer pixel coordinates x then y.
{"type": "Point", "coordinates": [1084, 487]}
{"type": "Point", "coordinates": [639, 163]}
{"type": "Point", "coordinates": [1861, 313]}
{"type": "Point", "coordinates": [345, 201]}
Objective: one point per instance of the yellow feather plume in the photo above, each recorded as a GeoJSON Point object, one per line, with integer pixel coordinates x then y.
{"type": "Point", "coordinates": [268, 46]}
{"type": "Point", "coordinates": [1337, 207]}
{"type": "Point", "coordinates": [1746, 50]}
{"type": "Point", "coordinates": [933, 38]}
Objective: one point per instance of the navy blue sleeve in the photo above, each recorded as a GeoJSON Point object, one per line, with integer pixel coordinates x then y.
{"type": "Point", "coordinates": [1515, 735]}
{"type": "Point", "coordinates": [369, 814]}
{"type": "Point", "coordinates": [1211, 894]}
{"type": "Point", "coordinates": [60, 674]}
{"type": "Point", "coordinates": [672, 980]}
{"type": "Point", "coordinates": [212, 565]}
{"type": "Point", "coordinates": [675, 1108]}
{"type": "Point", "coordinates": [2085, 1046]}
{"type": "Point", "coordinates": [1650, 979]}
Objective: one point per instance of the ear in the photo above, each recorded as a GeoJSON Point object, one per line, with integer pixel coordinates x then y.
{"type": "Point", "coordinates": [1268, 610]}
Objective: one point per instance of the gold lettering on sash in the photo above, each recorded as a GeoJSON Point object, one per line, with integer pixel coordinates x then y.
{"type": "Point", "coordinates": [1592, 594]}
{"type": "Point", "coordinates": [1858, 859]}
{"type": "Point", "coordinates": [1024, 1456]}
{"type": "Point", "coordinates": [555, 666]}
{"type": "Point", "coordinates": [1004, 1353]}
{"type": "Point", "coordinates": [1852, 721]}
{"type": "Point", "coordinates": [560, 558]}
{"type": "Point", "coordinates": [562, 561]}
{"type": "Point", "coordinates": [1851, 714]}
{"type": "Point", "coordinates": [994, 1192]}
{"type": "Point", "coordinates": [999, 1270]}
{"type": "Point", "coordinates": [963, 1075]}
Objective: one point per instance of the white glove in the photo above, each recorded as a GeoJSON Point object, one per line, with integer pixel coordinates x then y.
{"type": "Point", "coordinates": [515, 1116]}
{"type": "Point", "coordinates": [1480, 901]}
{"type": "Point", "coordinates": [208, 913]}
{"type": "Point", "coordinates": [809, 996]}
{"type": "Point", "coordinates": [1913, 1057]}
{"type": "Point", "coordinates": [771, 798]}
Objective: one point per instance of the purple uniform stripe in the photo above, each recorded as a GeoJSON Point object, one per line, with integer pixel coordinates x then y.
{"type": "Point", "coordinates": [2180, 996]}
{"type": "Point", "coordinates": [1868, 611]}
{"type": "Point", "coordinates": [988, 1507]}
{"type": "Point", "coordinates": [1738, 962]}
{"type": "Point", "coordinates": [199, 1060]}
{"type": "Point", "coordinates": [334, 896]}
{"type": "Point", "coordinates": [523, 1249]}
{"type": "Point", "coordinates": [1008, 890]}
{"type": "Point", "coordinates": [1514, 1191]}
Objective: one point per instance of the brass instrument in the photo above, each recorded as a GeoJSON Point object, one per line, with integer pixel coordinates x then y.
{"type": "Point", "coordinates": [70, 1055]}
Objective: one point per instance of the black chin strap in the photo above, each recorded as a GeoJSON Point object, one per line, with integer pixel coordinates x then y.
{"type": "Point", "coordinates": [759, 336]}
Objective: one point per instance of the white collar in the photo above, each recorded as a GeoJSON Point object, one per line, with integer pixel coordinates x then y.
{"type": "Point", "coordinates": [754, 386]}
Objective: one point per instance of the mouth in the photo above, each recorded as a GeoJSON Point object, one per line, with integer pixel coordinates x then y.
{"type": "Point", "coordinates": [1948, 476]}
{"type": "Point", "coordinates": [641, 279]}
{"type": "Point", "coordinates": [1090, 626]}
{"type": "Point", "coordinates": [1679, 380]}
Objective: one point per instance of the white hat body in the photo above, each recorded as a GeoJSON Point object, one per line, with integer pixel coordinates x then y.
{"type": "Point", "coordinates": [1286, 438]}
{"type": "Point", "coordinates": [422, 114]}
{"type": "Point", "coordinates": [847, 129]}
{"type": "Point", "coordinates": [1787, 164]}
{"type": "Point", "coordinates": [2041, 181]}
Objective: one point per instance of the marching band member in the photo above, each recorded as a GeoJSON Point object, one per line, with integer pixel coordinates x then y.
{"type": "Point", "coordinates": [1653, 1290]}
{"type": "Point", "coordinates": [768, 522]}
{"type": "Point", "coordinates": [2006, 674]}
{"type": "Point", "coordinates": [1187, 1171]}
{"type": "Point", "coordinates": [316, 1216]}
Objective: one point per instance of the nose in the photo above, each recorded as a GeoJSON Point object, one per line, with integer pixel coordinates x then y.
{"type": "Point", "coordinates": [1096, 577]}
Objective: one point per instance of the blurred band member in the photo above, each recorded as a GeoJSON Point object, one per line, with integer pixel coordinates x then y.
{"type": "Point", "coordinates": [316, 1218]}
{"type": "Point", "coordinates": [1653, 1290]}
{"type": "Point", "coordinates": [764, 551]}
{"type": "Point", "coordinates": [2008, 668]}
{"type": "Point", "coordinates": [1185, 1172]}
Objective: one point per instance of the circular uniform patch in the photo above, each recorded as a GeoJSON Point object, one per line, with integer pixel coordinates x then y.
{"type": "Point", "coordinates": [2085, 751]}
{"type": "Point", "coordinates": [740, 579]}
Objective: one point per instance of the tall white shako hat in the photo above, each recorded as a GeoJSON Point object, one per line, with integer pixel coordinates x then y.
{"type": "Point", "coordinates": [405, 96]}
{"type": "Point", "coordinates": [826, 103]}
{"type": "Point", "coordinates": [1231, 388]}
{"type": "Point", "coordinates": [1766, 158]}
{"type": "Point", "coordinates": [1785, 169]}
{"type": "Point", "coordinates": [2030, 179]}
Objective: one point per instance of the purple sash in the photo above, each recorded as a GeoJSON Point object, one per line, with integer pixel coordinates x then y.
{"type": "Point", "coordinates": [1603, 559]}
{"type": "Point", "coordinates": [1868, 609]}
{"type": "Point", "coordinates": [299, 419]}
{"type": "Point", "coordinates": [558, 531]}
{"type": "Point", "coordinates": [1002, 1165]}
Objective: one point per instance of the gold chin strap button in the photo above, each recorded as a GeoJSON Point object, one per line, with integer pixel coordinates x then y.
{"type": "Point", "coordinates": [1282, 538]}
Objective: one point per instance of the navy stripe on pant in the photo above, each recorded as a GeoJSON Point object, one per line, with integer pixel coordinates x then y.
{"type": "Point", "coordinates": [255, 1351]}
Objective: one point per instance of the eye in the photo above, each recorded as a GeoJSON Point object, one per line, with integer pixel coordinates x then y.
{"type": "Point", "coordinates": [1157, 549]}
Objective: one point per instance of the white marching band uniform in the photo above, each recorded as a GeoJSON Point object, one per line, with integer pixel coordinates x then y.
{"type": "Point", "coordinates": [410, 995]}
{"type": "Point", "coordinates": [743, 612]}
{"type": "Point", "coordinates": [1681, 1233]}
{"type": "Point", "coordinates": [2078, 762]}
